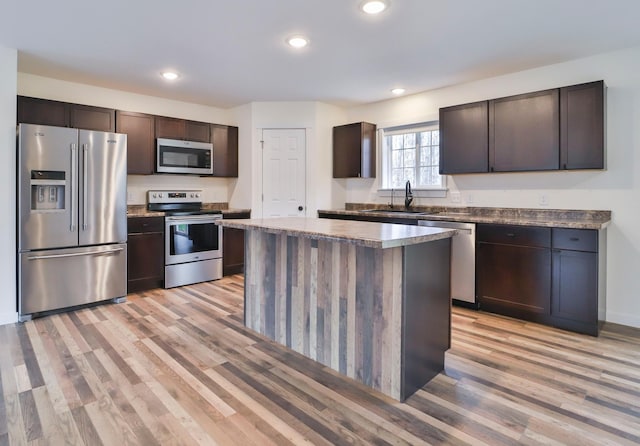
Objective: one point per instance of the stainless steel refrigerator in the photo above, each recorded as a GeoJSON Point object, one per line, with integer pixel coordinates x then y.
{"type": "Point", "coordinates": [72, 218]}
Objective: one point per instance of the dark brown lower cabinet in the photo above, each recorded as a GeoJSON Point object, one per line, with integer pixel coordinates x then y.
{"type": "Point", "coordinates": [575, 280]}
{"type": "Point", "coordinates": [145, 250]}
{"type": "Point", "coordinates": [514, 280]}
{"type": "Point", "coordinates": [233, 246]}
{"type": "Point", "coordinates": [545, 275]}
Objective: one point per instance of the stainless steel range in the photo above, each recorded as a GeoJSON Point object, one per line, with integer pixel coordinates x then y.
{"type": "Point", "coordinates": [193, 242]}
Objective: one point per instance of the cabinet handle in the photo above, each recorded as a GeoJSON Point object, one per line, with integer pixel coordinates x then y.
{"type": "Point", "coordinates": [491, 168]}
{"type": "Point", "coordinates": [564, 166]}
{"type": "Point", "coordinates": [574, 239]}
{"type": "Point", "coordinates": [510, 234]}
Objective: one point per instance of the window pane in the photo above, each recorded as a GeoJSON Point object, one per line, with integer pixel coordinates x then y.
{"type": "Point", "coordinates": [396, 142]}
{"type": "Point", "coordinates": [435, 156]}
{"type": "Point", "coordinates": [436, 178]}
{"type": "Point", "coordinates": [396, 160]}
{"type": "Point", "coordinates": [409, 174]}
{"type": "Point", "coordinates": [425, 156]}
{"type": "Point", "coordinates": [396, 177]}
{"type": "Point", "coordinates": [425, 138]}
{"type": "Point", "coordinates": [435, 138]}
{"type": "Point", "coordinates": [409, 157]}
{"type": "Point", "coordinates": [409, 140]}
{"type": "Point", "coordinates": [425, 176]}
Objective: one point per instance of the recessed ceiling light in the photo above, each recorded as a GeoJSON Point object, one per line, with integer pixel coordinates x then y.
{"type": "Point", "coordinates": [170, 75]}
{"type": "Point", "coordinates": [298, 41]}
{"type": "Point", "coordinates": [398, 91]}
{"type": "Point", "coordinates": [373, 6]}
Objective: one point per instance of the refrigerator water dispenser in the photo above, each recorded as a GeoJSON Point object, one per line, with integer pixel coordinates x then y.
{"type": "Point", "coordinates": [47, 190]}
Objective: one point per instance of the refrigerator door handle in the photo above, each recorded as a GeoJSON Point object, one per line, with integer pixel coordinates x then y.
{"type": "Point", "coordinates": [85, 187]}
{"type": "Point", "coordinates": [76, 254]}
{"type": "Point", "coordinates": [74, 169]}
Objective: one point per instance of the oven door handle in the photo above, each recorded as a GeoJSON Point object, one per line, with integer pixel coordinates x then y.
{"type": "Point", "coordinates": [194, 219]}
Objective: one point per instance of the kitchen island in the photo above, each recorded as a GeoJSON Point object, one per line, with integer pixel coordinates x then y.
{"type": "Point", "coordinates": [369, 300]}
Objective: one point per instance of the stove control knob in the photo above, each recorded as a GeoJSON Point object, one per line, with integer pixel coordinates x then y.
{"type": "Point", "coordinates": [197, 195]}
{"type": "Point", "coordinates": [160, 195]}
{"type": "Point", "coordinates": [153, 195]}
{"type": "Point", "coordinates": [191, 194]}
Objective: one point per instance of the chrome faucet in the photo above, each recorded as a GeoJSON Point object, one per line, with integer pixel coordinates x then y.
{"type": "Point", "coordinates": [391, 204]}
{"type": "Point", "coordinates": [408, 195]}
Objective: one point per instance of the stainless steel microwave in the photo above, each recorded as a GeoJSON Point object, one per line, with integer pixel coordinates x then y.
{"type": "Point", "coordinates": [190, 157]}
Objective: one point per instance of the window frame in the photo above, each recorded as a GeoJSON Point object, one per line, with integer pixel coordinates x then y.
{"type": "Point", "coordinates": [385, 157]}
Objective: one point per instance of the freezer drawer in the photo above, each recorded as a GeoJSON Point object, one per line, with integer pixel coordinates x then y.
{"type": "Point", "coordinates": [50, 280]}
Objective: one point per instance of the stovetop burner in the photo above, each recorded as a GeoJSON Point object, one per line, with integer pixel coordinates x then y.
{"type": "Point", "coordinates": [177, 202]}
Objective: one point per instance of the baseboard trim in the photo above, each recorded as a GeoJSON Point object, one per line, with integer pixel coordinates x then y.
{"type": "Point", "coordinates": [8, 318]}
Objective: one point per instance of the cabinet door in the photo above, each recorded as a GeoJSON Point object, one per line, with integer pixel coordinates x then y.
{"type": "Point", "coordinates": [464, 138]}
{"type": "Point", "coordinates": [225, 150]}
{"type": "Point", "coordinates": [575, 286]}
{"type": "Point", "coordinates": [145, 251]}
{"type": "Point", "coordinates": [197, 131]}
{"type": "Point", "coordinates": [524, 132]}
{"type": "Point", "coordinates": [42, 112]}
{"type": "Point", "coordinates": [141, 147]}
{"type": "Point", "coordinates": [171, 128]}
{"type": "Point", "coordinates": [145, 266]}
{"type": "Point", "coordinates": [514, 280]}
{"type": "Point", "coordinates": [354, 150]}
{"type": "Point", "coordinates": [93, 118]}
{"type": "Point", "coordinates": [582, 126]}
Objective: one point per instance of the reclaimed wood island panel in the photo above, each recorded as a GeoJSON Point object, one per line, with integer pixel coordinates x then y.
{"type": "Point", "coordinates": [370, 300]}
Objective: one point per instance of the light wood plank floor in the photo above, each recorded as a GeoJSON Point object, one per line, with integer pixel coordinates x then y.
{"type": "Point", "coordinates": [178, 367]}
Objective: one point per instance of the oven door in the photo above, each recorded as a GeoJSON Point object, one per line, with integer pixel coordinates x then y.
{"type": "Point", "coordinates": [192, 238]}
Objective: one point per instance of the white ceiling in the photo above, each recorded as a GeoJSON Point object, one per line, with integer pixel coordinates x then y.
{"type": "Point", "coordinates": [232, 52]}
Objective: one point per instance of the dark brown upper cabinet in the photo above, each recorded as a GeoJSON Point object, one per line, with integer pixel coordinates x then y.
{"type": "Point", "coordinates": [93, 118]}
{"type": "Point", "coordinates": [524, 132]}
{"type": "Point", "coordinates": [174, 128]}
{"type": "Point", "coordinates": [43, 112]}
{"type": "Point", "coordinates": [64, 114]}
{"type": "Point", "coordinates": [225, 150]}
{"type": "Point", "coordinates": [582, 142]}
{"type": "Point", "coordinates": [354, 150]}
{"type": "Point", "coordinates": [562, 128]}
{"type": "Point", "coordinates": [141, 147]}
{"type": "Point", "coordinates": [464, 138]}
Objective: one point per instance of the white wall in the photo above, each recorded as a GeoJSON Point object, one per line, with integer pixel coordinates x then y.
{"type": "Point", "coordinates": [215, 189]}
{"type": "Point", "coordinates": [8, 253]}
{"type": "Point", "coordinates": [317, 119]}
{"type": "Point", "coordinates": [616, 189]}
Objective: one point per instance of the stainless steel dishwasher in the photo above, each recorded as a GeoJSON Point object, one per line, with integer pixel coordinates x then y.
{"type": "Point", "coordinates": [463, 259]}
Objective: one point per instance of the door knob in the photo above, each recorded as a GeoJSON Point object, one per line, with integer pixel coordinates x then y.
{"type": "Point", "coordinates": [300, 208]}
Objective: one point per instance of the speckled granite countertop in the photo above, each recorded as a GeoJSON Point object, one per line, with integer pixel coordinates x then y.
{"type": "Point", "coordinates": [364, 233]}
{"type": "Point", "coordinates": [140, 210]}
{"type": "Point", "coordinates": [556, 218]}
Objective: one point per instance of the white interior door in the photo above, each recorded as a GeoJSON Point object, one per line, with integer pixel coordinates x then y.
{"type": "Point", "coordinates": [283, 172]}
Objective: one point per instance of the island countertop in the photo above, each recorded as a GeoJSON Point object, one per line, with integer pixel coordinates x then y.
{"type": "Point", "coordinates": [363, 233]}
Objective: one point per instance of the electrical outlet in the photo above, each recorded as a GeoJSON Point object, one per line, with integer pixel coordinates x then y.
{"type": "Point", "coordinates": [469, 199]}
{"type": "Point", "coordinates": [543, 199]}
{"type": "Point", "coordinates": [455, 197]}
{"type": "Point", "coordinates": [129, 197]}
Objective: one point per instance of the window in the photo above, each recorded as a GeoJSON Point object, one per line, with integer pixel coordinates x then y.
{"type": "Point", "coordinates": [411, 153]}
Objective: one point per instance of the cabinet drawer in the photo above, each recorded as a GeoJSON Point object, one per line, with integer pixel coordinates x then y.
{"type": "Point", "coordinates": [575, 239]}
{"type": "Point", "coordinates": [145, 224]}
{"type": "Point", "coordinates": [514, 235]}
